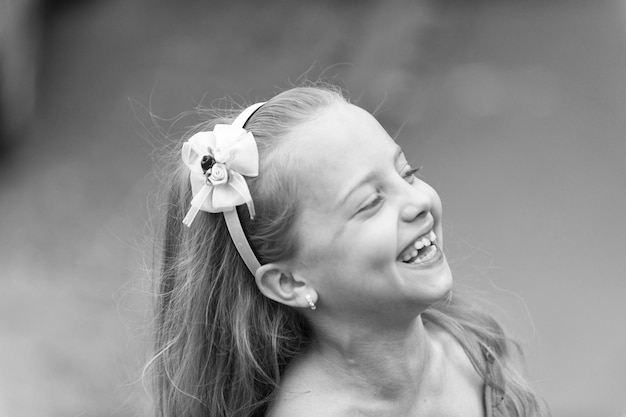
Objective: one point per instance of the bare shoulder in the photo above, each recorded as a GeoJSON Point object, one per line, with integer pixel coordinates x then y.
{"type": "Point", "coordinates": [306, 403]}
{"type": "Point", "coordinates": [455, 355]}
{"type": "Point", "coordinates": [462, 388]}
{"type": "Point", "coordinates": [308, 396]}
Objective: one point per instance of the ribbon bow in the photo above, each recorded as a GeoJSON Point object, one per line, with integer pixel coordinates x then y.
{"type": "Point", "coordinates": [217, 162]}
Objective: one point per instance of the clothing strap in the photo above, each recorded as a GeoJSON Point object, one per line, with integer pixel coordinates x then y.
{"type": "Point", "coordinates": [494, 384]}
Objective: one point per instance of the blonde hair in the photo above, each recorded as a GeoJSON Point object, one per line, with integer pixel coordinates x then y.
{"type": "Point", "coordinates": [220, 345]}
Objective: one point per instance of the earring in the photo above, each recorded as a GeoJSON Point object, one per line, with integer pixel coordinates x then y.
{"type": "Point", "coordinates": [310, 301]}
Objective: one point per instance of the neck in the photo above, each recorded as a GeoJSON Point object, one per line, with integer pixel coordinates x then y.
{"type": "Point", "coordinates": [384, 362]}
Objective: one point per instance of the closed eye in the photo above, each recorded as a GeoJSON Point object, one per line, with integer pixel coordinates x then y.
{"type": "Point", "coordinates": [410, 174]}
{"type": "Point", "coordinates": [377, 200]}
{"type": "Point", "coordinates": [413, 171]}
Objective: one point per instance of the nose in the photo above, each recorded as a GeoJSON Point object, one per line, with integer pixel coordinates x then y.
{"type": "Point", "coordinates": [418, 202]}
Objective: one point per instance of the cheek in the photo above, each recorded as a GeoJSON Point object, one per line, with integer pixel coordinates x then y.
{"type": "Point", "coordinates": [356, 252]}
{"type": "Point", "coordinates": [370, 247]}
{"type": "Point", "coordinates": [317, 246]}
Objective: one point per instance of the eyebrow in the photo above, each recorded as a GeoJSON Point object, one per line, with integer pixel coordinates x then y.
{"type": "Point", "coordinates": [366, 179]}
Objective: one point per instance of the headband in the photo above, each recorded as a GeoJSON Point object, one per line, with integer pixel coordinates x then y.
{"type": "Point", "coordinates": [218, 161]}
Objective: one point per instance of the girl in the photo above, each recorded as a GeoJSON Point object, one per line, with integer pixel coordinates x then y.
{"type": "Point", "coordinates": [303, 274]}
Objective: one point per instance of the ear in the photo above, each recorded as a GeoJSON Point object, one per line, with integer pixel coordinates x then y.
{"type": "Point", "coordinates": [277, 282]}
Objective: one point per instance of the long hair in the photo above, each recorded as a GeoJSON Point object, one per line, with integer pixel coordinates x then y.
{"type": "Point", "coordinates": [497, 358]}
{"type": "Point", "coordinates": [220, 345]}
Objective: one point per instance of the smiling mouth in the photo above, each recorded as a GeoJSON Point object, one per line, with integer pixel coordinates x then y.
{"type": "Point", "coordinates": [422, 251]}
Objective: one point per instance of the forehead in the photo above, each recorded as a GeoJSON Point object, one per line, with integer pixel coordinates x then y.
{"type": "Point", "coordinates": [341, 127]}
{"type": "Point", "coordinates": [342, 143]}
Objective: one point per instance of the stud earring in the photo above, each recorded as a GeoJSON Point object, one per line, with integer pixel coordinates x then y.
{"type": "Point", "coordinates": [310, 301]}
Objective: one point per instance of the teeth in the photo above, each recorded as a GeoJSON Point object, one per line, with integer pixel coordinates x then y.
{"type": "Point", "coordinates": [425, 241]}
{"type": "Point", "coordinates": [428, 255]}
{"type": "Point", "coordinates": [419, 244]}
{"type": "Point", "coordinates": [409, 255]}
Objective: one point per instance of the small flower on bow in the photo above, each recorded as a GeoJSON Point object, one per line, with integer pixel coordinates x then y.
{"type": "Point", "coordinates": [218, 162]}
{"type": "Point", "coordinates": [215, 173]}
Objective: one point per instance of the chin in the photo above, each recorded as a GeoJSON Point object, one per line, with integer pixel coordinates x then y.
{"type": "Point", "coordinates": [429, 285]}
{"type": "Point", "coordinates": [442, 287]}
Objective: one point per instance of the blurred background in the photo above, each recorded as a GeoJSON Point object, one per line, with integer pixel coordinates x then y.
{"type": "Point", "coordinates": [516, 110]}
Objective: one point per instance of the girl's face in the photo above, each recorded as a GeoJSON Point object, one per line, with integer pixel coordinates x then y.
{"type": "Point", "coordinates": [363, 218]}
